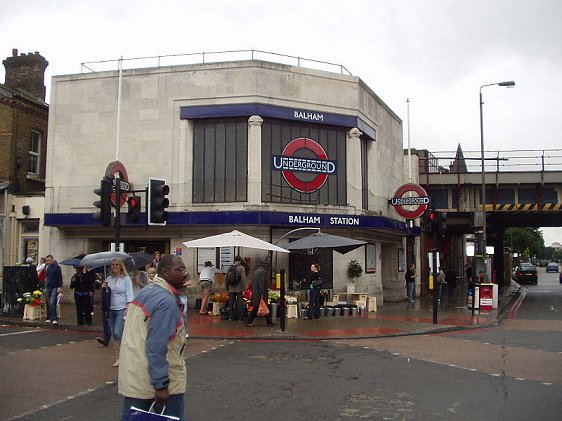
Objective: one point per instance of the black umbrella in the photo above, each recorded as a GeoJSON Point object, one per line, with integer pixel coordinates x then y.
{"type": "Point", "coordinates": [322, 240]}
{"type": "Point", "coordinates": [141, 259]}
{"type": "Point", "coordinates": [72, 261]}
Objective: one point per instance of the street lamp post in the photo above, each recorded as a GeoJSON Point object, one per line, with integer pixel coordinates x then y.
{"type": "Point", "coordinates": [508, 84]}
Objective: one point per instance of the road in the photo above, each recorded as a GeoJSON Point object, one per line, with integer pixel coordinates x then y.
{"type": "Point", "coordinates": [508, 372]}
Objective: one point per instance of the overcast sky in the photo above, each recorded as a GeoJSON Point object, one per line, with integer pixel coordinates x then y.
{"type": "Point", "coordinates": [437, 53]}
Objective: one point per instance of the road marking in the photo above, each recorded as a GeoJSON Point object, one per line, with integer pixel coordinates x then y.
{"type": "Point", "coordinates": [21, 333]}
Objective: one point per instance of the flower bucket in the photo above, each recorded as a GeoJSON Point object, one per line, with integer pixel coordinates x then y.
{"type": "Point", "coordinates": [31, 312]}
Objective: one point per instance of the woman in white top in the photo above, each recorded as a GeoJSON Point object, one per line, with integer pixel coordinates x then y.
{"type": "Point", "coordinates": [207, 282]}
{"type": "Point", "coordinates": [121, 288]}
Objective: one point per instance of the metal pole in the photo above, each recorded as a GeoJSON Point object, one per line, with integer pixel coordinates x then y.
{"type": "Point", "coordinates": [117, 212]}
{"type": "Point", "coordinates": [435, 272]}
{"type": "Point", "coordinates": [118, 128]}
{"type": "Point", "coordinates": [483, 194]}
{"type": "Point", "coordinates": [409, 149]}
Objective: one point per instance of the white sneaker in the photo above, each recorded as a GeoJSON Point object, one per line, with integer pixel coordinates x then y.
{"type": "Point", "coordinates": [116, 363]}
{"type": "Point", "coordinates": [47, 321]}
{"type": "Point", "coordinates": [55, 322]}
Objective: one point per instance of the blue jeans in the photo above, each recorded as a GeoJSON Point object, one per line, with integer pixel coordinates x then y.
{"type": "Point", "coordinates": [51, 303]}
{"type": "Point", "coordinates": [314, 304]}
{"type": "Point", "coordinates": [410, 290]}
{"type": "Point", "coordinates": [174, 406]}
{"type": "Point", "coordinates": [116, 323]}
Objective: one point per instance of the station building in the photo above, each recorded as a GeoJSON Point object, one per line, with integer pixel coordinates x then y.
{"type": "Point", "coordinates": [262, 147]}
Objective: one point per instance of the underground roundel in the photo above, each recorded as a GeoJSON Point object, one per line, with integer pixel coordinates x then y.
{"type": "Point", "coordinates": [304, 164]}
{"type": "Point", "coordinates": [410, 201]}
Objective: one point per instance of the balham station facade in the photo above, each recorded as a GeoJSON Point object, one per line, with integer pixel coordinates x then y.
{"type": "Point", "coordinates": [273, 150]}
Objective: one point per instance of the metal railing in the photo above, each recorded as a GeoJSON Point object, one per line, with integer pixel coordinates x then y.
{"type": "Point", "coordinates": [209, 57]}
{"type": "Point", "coordinates": [517, 160]}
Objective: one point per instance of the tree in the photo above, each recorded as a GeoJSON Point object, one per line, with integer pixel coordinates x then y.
{"type": "Point", "coordinates": [526, 241]}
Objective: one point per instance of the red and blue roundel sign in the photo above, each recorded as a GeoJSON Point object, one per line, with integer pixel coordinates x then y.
{"type": "Point", "coordinates": [416, 203]}
{"type": "Point", "coordinates": [304, 165]}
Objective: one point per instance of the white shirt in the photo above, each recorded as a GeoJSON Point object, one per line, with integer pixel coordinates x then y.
{"type": "Point", "coordinates": [208, 274]}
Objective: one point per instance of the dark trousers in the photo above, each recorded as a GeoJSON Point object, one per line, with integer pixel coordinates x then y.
{"type": "Point", "coordinates": [235, 308]}
{"type": "Point", "coordinates": [106, 328]}
{"type": "Point", "coordinates": [83, 309]}
{"type": "Point", "coordinates": [254, 313]}
{"type": "Point", "coordinates": [314, 304]}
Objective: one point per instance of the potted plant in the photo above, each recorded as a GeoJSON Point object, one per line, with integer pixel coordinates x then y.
{"type": "Point", "coordinates": [354, 271]}
{"type": "Point", "coordinates": [273, 297]}
{"type": "Point", "coordinates": [32, 301]}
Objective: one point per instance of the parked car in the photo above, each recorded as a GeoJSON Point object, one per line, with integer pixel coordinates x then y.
{"type": "Point", "coordinates": [552, 267]}
{"type": "Point", "coordinates": [526, 273]}
{"type": "Point", "coordinates": [543, 263]}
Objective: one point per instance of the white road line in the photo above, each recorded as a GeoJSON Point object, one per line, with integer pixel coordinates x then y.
{"type": "Point", "coordinates": [22, 333]}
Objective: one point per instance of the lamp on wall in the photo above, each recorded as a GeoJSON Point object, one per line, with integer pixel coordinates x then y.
{"type": "Point", "coordinates": [18, 162]}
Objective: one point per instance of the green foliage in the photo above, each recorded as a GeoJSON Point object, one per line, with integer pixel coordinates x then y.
{"type": "Point", "coordinates": [354, 269]}
{"type": "Point", "coordinates": [526, 241]}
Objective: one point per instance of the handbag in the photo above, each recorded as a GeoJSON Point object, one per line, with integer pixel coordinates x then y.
{"type": "Point", "coordinates": [263, 310]}
{"type": "Point", "coordinates": [136, 414]}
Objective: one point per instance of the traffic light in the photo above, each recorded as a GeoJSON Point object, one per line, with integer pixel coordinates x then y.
{"type": "Point", "coordinates": [442, 221]}
{"type": "Point", "coordinates": [430, 219]}
{"type": "Point", "coordinates": [133, 209]}
{"type": "Point", "coordinates": [157, 201]}
{"type": "Point", "coordinates": [104, 202]}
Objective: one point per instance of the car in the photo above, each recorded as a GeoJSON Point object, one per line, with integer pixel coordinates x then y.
{"type": "Point", "coordinates": [552, 267]}
{"type": "Point", "coordinates": [526, 273]}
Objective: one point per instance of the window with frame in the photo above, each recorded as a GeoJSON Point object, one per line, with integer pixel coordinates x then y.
{"type": "Point", "coordinates": [34, 152]}
{"type": "Point", "coordinates": [220, 163]}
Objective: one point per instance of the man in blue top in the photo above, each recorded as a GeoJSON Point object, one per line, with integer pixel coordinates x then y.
{"type": "Point", "coordinates": [53, 287]}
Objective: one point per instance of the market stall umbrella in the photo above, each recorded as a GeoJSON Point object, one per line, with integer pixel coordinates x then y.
{"type": "Point", "coordinates": [322, 240]}
{"type": "Point", "coordinates": [141, 259]}
{"type": "Point", "coordinates": [104, 258]}
{"type": "Point", "coordinates": [234, 239]}
{"type": "Point", "coordinates": [72, 261]}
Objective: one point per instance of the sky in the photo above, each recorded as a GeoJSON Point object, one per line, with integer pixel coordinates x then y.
{"type": "Point", "coordinates": [436, 53]}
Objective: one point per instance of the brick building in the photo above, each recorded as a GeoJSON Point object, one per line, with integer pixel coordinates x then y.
{"type": "Point", "coordinates": [23, 145]}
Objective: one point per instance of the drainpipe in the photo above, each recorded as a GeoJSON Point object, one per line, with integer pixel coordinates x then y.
{"type": "Point", "coordinates": [4, 215]}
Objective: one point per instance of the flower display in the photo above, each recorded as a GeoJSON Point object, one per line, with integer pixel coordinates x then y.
{"type": "Point", "coordinates": [34, 298]}
{"type": "Point", "coordinates": [273, 296]}
{"type": "Point", "coordinates": [292, 300]}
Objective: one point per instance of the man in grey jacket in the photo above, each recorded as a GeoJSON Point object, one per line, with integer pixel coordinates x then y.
{"type": "Point", "coordinates": [151, 362]}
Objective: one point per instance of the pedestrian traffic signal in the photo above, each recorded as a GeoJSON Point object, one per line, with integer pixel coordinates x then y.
{"type": "Point", "coordinates": [133, 209]}
{"type": "Point", "coordinates": [104, 202]}
{"type": "Point", "coordinates": [157, 201]}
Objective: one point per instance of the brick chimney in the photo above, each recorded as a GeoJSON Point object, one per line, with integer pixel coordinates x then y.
{"type": "Point", "coordinates": [26, 72]}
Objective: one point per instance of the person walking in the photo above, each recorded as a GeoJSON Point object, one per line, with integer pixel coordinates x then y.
{"type": "Point", "coordinates": [105, 307]}
{"type": "Point", "coordinates": [410, 282]}
{"type": "Point", "coordinates": [84, 287]}
{"type": "Point", "coordinates": [315, 285]}
{"type": "Point", "coordinates": [152, 365]}
{"type": "Point", "coordinates": [207, 283]}
{"type": "Point", "coordinates": [121, 288]}
{"type": "Point", "coordinates": [440, 282]}
{"type": "Point", "coordinates": [236, 311]}
{"type": "Point", "coordinates": [259, 292]}
{"type": "Point", "coordinates": [53, 287]}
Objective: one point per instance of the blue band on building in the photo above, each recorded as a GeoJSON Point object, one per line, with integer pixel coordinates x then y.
{"type": "Point", "coordinates": [278, 219]}
{"type": "Point", "coordinates": [275, 111]}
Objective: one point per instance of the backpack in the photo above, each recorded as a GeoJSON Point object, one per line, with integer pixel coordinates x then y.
{"type": "Point", "coordinates": [232, 276]}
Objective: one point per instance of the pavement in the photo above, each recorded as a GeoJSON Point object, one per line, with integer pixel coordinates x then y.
{"type": "Point", "coordinates": [391, 319]}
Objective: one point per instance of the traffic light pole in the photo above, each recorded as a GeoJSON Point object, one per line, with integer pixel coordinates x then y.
{"type": "Point", "coordinates": [117, 213]}
{"type": "Point", "coordinates": [435, 272]}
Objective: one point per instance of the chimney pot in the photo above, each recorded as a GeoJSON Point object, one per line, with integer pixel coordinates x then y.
{"type": "Point", "coordinates": [14, 52]}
